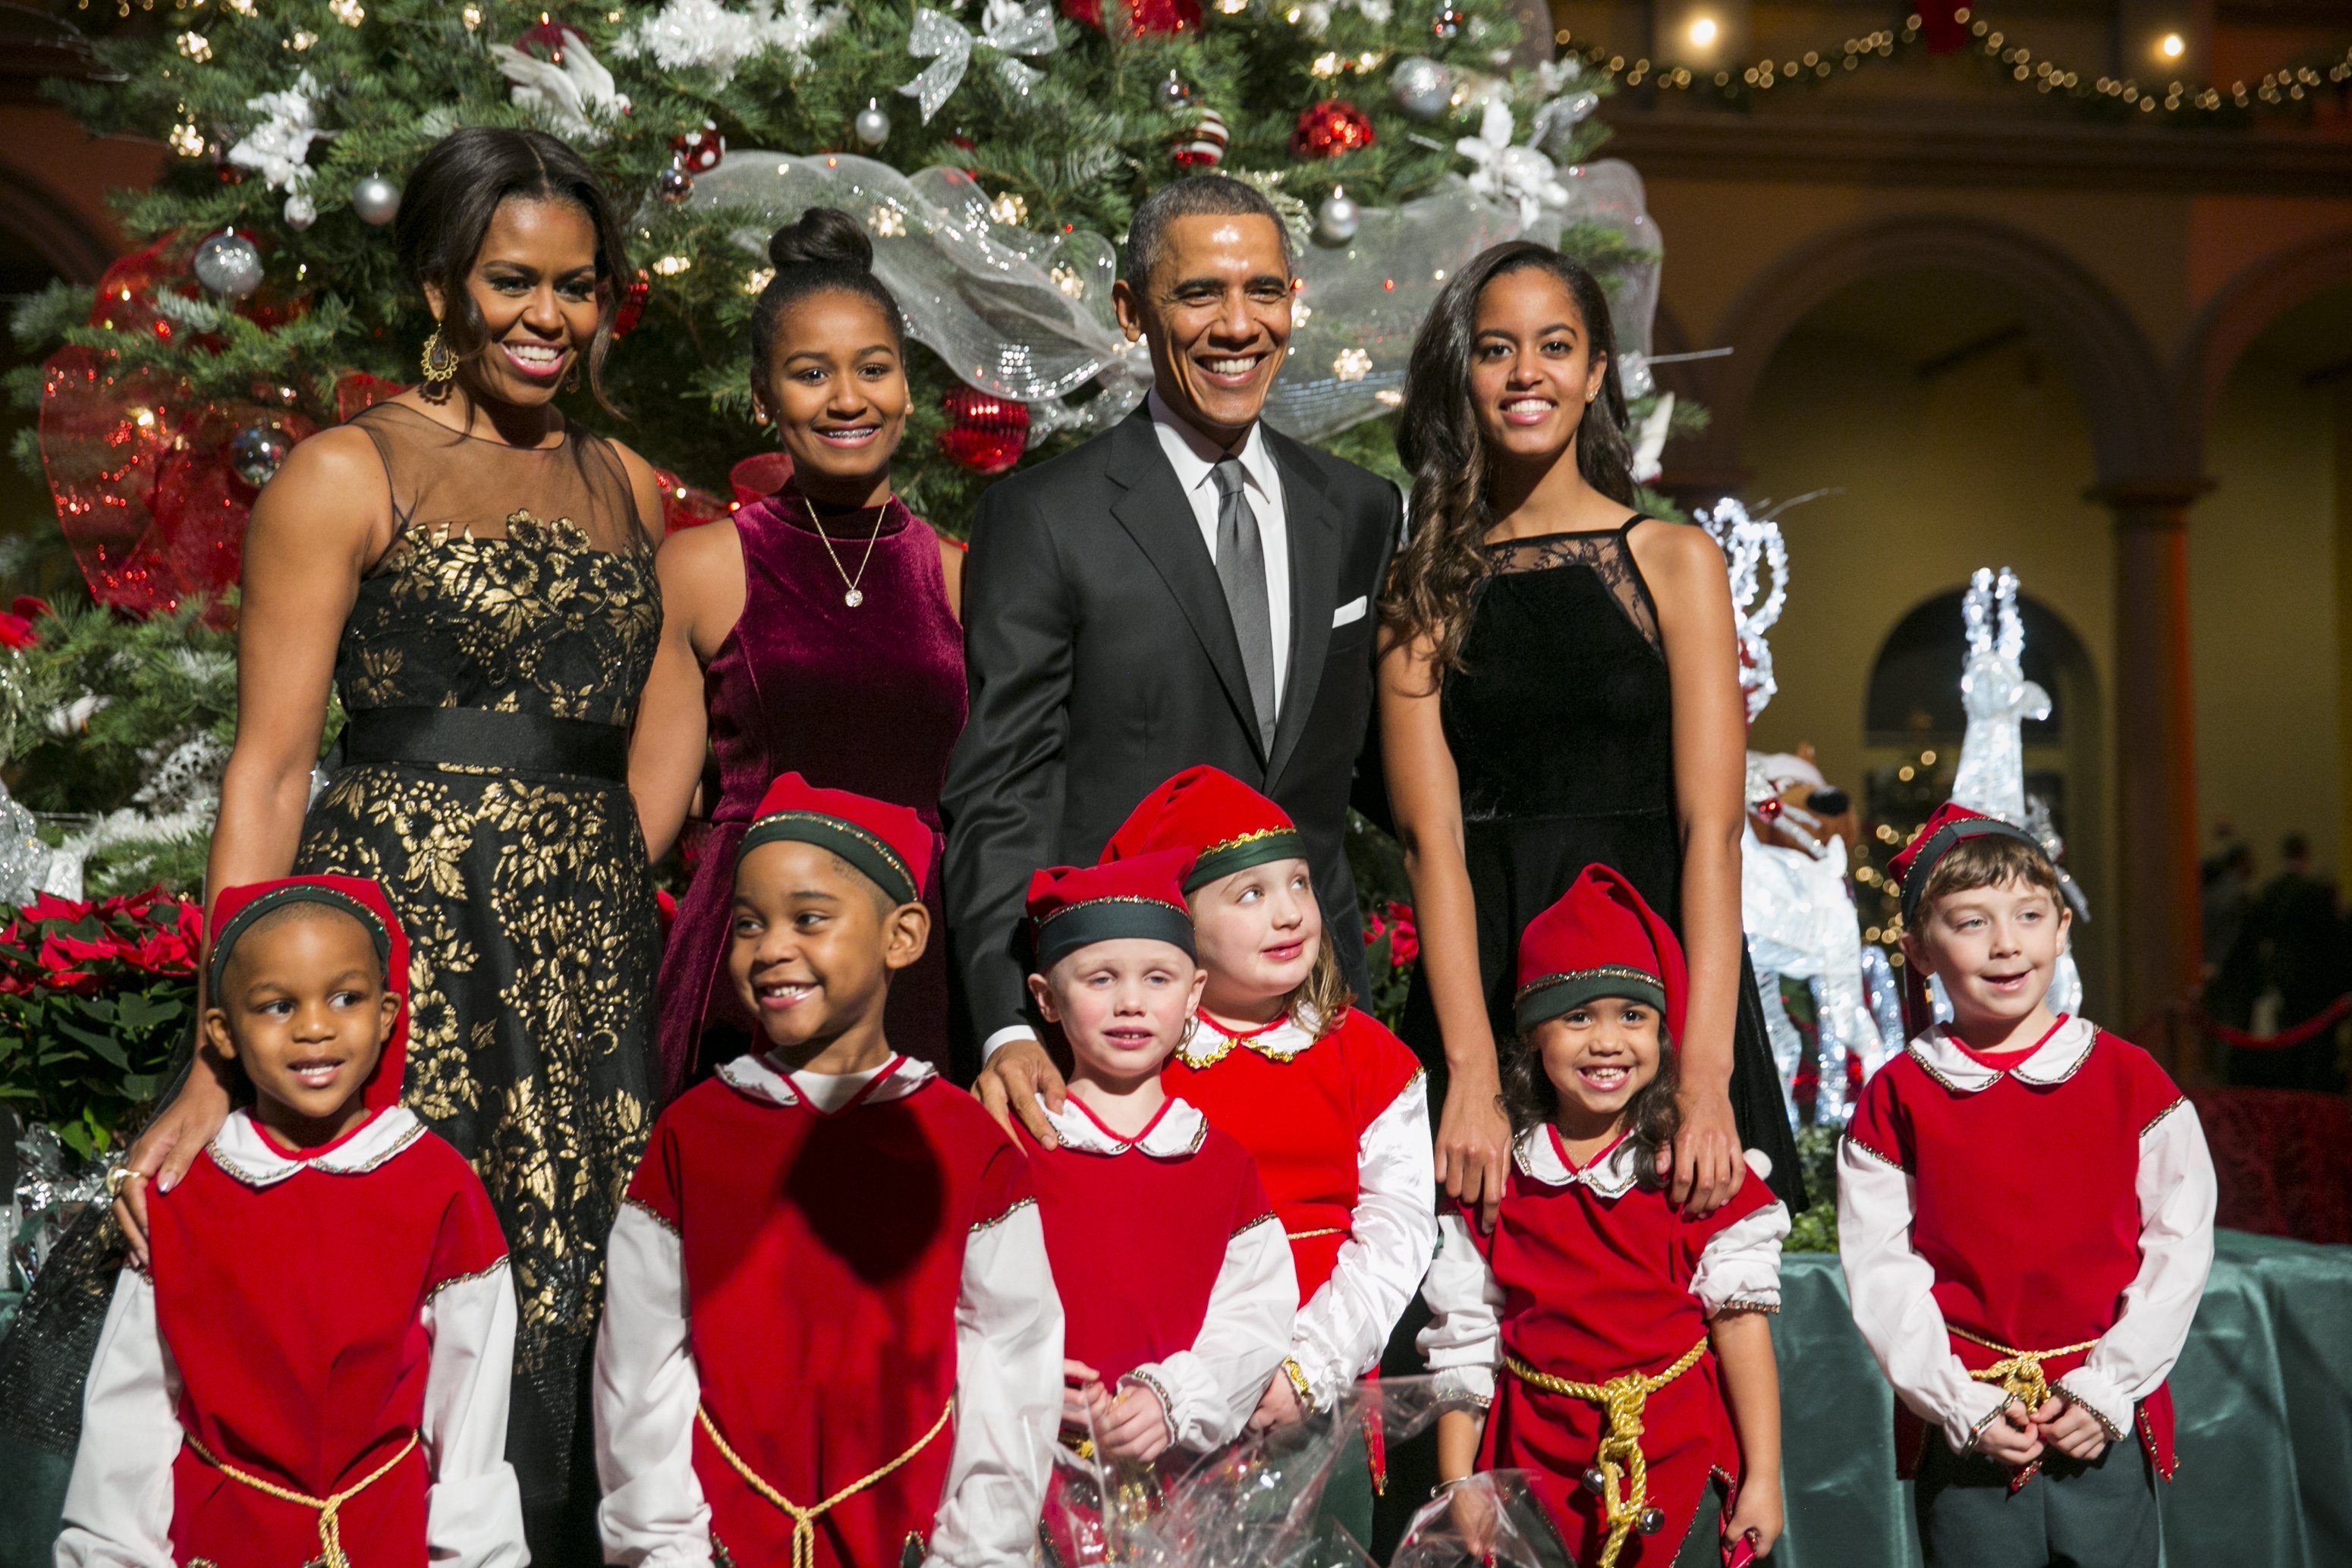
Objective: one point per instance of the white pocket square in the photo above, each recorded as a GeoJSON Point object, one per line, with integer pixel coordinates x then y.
{"type": "Point", "coordinates": [1350, 612]}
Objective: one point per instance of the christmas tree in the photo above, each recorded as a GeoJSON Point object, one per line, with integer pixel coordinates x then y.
{"type": "Point", "coordinates": [264, 302]}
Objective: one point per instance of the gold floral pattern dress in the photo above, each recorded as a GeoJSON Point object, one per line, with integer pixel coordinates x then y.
{"type": "Point", "coordinates": [518, 585]}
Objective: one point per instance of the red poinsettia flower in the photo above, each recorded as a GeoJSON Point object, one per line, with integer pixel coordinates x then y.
{"type": "Point", "coordinates": [47, 906]}
{"type": "Point", "coordinates": [60, 969]}
{"type": "Point", "coordinates": [16, 631]}
{"type": "Point", "coordinates": [1404, 944]}
{"type": "Point", "coordinates": [31, 608]}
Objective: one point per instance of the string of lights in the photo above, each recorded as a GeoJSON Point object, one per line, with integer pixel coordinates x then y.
{"type": "Point", "coordinates": [2285, 88]}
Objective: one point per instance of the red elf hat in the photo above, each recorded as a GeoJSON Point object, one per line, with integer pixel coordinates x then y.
{"type": "Point", "coordinates": [239, 909]}
{"type": "Point", "coordinates": [1951, 825]}
{"type": "Point", "coordinates": [1227, 825]}
{"type": "Point", "coordinates": [1600, 939]}
{"type": "Point", "coordinates": [1071, 908]}
{"type": "Point", "coordinates": [890, 844]}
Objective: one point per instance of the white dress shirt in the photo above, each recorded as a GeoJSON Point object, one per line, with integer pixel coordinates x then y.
{"type": "Point", "coordinates": [1194, 455]}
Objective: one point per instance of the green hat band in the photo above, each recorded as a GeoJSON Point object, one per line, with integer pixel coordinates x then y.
{"type": "Point", "coordinates": [1553, 995]}
{"type": "Point", "coordinates": [873, 858]}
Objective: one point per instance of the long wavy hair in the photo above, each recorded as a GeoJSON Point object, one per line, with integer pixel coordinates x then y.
{"type": "Point", "coordinates": [1653, 1116]}
{"type": "Point", "coordinates": [1438, 440]}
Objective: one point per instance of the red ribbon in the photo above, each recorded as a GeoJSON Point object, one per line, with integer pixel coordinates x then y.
{"type": "Point", "coordinates": [2309, 1028]}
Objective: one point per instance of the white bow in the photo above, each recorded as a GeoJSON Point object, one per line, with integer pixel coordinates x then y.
{"type": "Point", "coordinates": [1519, 174]}
{"type": "Point", "coordinates": [1652, 442]}
{"type": "Point", "coordinates": [576, 98]}
{"type": "Point", "coordinates": [279, 148]}
{"type": "Point", "coordinates": [1007, 26]}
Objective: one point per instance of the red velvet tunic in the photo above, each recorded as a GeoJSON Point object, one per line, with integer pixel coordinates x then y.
{"type": "Point", "coordinates": [294, 1313]}
{"type": "Point", "coordinates": [1136, 1241]}
{"type": "Point", "coordinates": [1596, 1286]}
{"type": "Point", "coordinates": [1302, 1120]}
{"type": "Point", "coordinates": [2025, 1205]}
{"type": "Point", "coordinates": [823, 1257]}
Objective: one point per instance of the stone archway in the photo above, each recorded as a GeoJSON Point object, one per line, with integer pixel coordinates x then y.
{"type": "Point", "coordinates": [2239, 313]}
{"type": "Point", "coordinates": [2146, 474]}
{"type": "Point", "coordinates": [39, 222]}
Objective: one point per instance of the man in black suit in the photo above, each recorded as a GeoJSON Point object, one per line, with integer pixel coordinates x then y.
{"type": "Point", "coordinates": [1189, 587]}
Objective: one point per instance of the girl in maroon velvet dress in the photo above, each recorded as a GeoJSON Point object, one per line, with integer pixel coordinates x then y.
{"type": "Point", "coordinates": [813, 631]}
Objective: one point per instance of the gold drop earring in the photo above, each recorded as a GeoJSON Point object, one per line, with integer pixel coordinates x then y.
{"type": "Point", "coordinates": [440, 362]}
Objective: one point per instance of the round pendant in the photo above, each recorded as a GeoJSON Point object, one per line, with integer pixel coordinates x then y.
{"type": "Point", "coordinates": [853, 599]}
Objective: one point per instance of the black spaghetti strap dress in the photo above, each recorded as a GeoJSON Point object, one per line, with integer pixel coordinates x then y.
{"type": "Point", "coordinates": [1561, 727]}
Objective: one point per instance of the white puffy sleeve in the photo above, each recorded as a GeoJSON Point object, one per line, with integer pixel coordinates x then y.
{"type": "Point", "coordinates": [1892, 1290]}
{"type": "Point", "coordinates": [117, 1510]}
{"type": "Point", "coordinates": [646, 1392]}
{"type": "Point", "coordinates": [1464, 1340]}
{"type": "Point", "coordinates": [2176, 1191]}
{"type": "Point", "coordinates": [1340, 1333]}
{"type": "Point", "coordinates": [474, 1509]}
{"type": "Point", "coordinates": [1210, 1390]}
{"type": "Point", "coordinates": [1738, 1270]}
{"type": "Point", "coordinates": [1008, 1397]}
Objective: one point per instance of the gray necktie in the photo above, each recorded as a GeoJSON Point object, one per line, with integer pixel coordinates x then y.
{"type": "Point", "coordinates": [1241, 568]}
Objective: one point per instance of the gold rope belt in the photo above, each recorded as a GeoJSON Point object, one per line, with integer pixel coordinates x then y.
{"type": "Point", "coordinates": [331, 1528]}
{"type": "Point", "coordinates": [1620, 1400]}
{"type": "Point", "coordinates": [2019, 1372]}
{"type": "Point", "coordinates": [804, 1519]}
{"type": "Point", "coordinates": [1309, 1235]}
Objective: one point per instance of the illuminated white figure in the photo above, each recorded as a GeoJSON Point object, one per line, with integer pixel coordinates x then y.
{"type": "Point", "coordinates": [1991, 774]}
{"type": "Point", "coordinates": [1795, 902]}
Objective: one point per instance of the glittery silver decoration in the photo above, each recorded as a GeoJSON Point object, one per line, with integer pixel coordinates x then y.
{"type": "Point", "coordinates": [1423, 88]}
{"type": "Point", "coordinates": [23, 859]}
{"type": "Point", "coordinates": [53, 1187]}
{"type": "Point", "coordinates": [1337, 219]}
{"type": "Point", "coordinates": [229, 265]}
{"type": "Point", "coordinates": [1007, 28]}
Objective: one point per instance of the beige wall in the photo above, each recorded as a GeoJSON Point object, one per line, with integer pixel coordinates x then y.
{"type": "Point", "coordinates": [2263, 615]}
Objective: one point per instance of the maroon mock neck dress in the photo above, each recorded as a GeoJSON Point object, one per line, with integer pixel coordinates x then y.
{"type": "Point", "coordinates": [869, 698]}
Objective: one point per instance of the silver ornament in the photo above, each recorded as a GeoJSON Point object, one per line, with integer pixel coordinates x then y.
{"type": "Point", "coordinates": [1634, 376]}
{"type": "Point", "coordinates": [229, 265]}
{"type": "Point", "coordinates": [1337, 220]}
{"type": "Point", "coordinates": [1423, 88]}
{"type": "Point", "coordinates": [873, 126]}
{"type": "Point", "coordinates": [256, 452]}
{"type": "Point", "coordinates": [377, 200]}
{"type": "Point", "coordinates": [301, 212]}
{"type": "Point", "coordinates": [1176, 94]}
{"type": "Point", "coordinates": [674, 184]}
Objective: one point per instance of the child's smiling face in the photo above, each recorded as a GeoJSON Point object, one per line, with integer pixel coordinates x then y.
{"type": "Point", "coordinates": [304, 1008]}
{"type": "Point", "coordinates": [1996, 948]}
{"type": "Point", "coordinates": [1122, 1004]}
{"type": "Point", "coordinates": [1598, 1054]}
{"type": "Point", "coordinates": [814, 942]}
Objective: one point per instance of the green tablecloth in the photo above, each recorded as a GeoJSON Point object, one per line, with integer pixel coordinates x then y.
{"type": "Point", "coordinates": [2264, 1391]}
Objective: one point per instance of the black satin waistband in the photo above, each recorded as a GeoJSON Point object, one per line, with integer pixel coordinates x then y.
{"type": "Point", "coordinates": [485, 737]}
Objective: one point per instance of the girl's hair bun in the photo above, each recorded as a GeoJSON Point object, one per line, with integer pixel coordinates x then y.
{"type": "Point", "coordinates": [823, 237]}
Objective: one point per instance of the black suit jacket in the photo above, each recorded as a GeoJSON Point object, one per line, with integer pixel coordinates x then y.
{"type": "Point", "coordinates": [1102, 660]}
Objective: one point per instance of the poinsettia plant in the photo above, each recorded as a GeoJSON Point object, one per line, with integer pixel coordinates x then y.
{"type": "Point", "coordinates": [1391, 943]}
{"type": "Point", "coordinates": [94, 999]}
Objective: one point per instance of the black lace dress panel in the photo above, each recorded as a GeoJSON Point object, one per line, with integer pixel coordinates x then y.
{"type": "Point", "coordinates": [1561, 725]}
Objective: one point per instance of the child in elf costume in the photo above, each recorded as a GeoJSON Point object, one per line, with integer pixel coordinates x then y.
{"type": "Point", "coordinates": [1330, 1105]}
{"type": "Point", "coordinates": [314, 1366]}
{"type": "Point", "coordinates": [1170, 1344]}
{"type": "Point", "coordinates": [831, 1338]}
{"type": "Point", "coordinates": [2025, 1215]}
{"type": "Point", "coordinates": [1599, 1337]}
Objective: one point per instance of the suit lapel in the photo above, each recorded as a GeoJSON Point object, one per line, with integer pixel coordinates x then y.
{"type": "Point", "coordinates": [1313, 524]}
{"type": "Point", "coordinates": [1157, 515]}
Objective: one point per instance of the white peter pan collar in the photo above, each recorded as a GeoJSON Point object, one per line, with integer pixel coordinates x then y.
{"type": "Point", "coordinates": [247, 1155]}
{"type": "Point", "coordinates": [755, 1075]}
{"type": "Point", "coordinates": [1540, 1157]}
{"type": "Point", "coordinates": [2059, 1055]}
{"type": "Point", "coordinates": [1174, 1133]}
{"type": "Point", "coordinates": [1285, 1042]}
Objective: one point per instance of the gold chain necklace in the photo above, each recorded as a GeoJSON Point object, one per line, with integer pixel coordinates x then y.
{"type": "Point", "coordinates": [855, 596]}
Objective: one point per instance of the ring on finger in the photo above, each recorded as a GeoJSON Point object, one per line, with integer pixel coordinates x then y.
{"type": "Point", "coordinates": [117, 1176]}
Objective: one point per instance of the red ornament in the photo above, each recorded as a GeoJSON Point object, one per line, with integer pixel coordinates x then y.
{"type": "Point", "coordinates": [698, 152]}
{"type": "Point", "coordinates": [632, 308]}
{"type": "Point", "coordinates": [985, 434]}
{"type": "Point", "coordinates": [684, 505]}
{"type": "Point", "coordinates": [356, 390]}
{"type": "Point", "coordinates": [1143, 17]}
{"type": "Point", "coordinates": [1330, 128]}
{"type": "Point", "coordinates": [548, 39]}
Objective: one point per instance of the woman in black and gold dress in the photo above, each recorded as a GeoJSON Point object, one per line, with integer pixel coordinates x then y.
{"type": "Point", "coordinates": [476, 579]}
